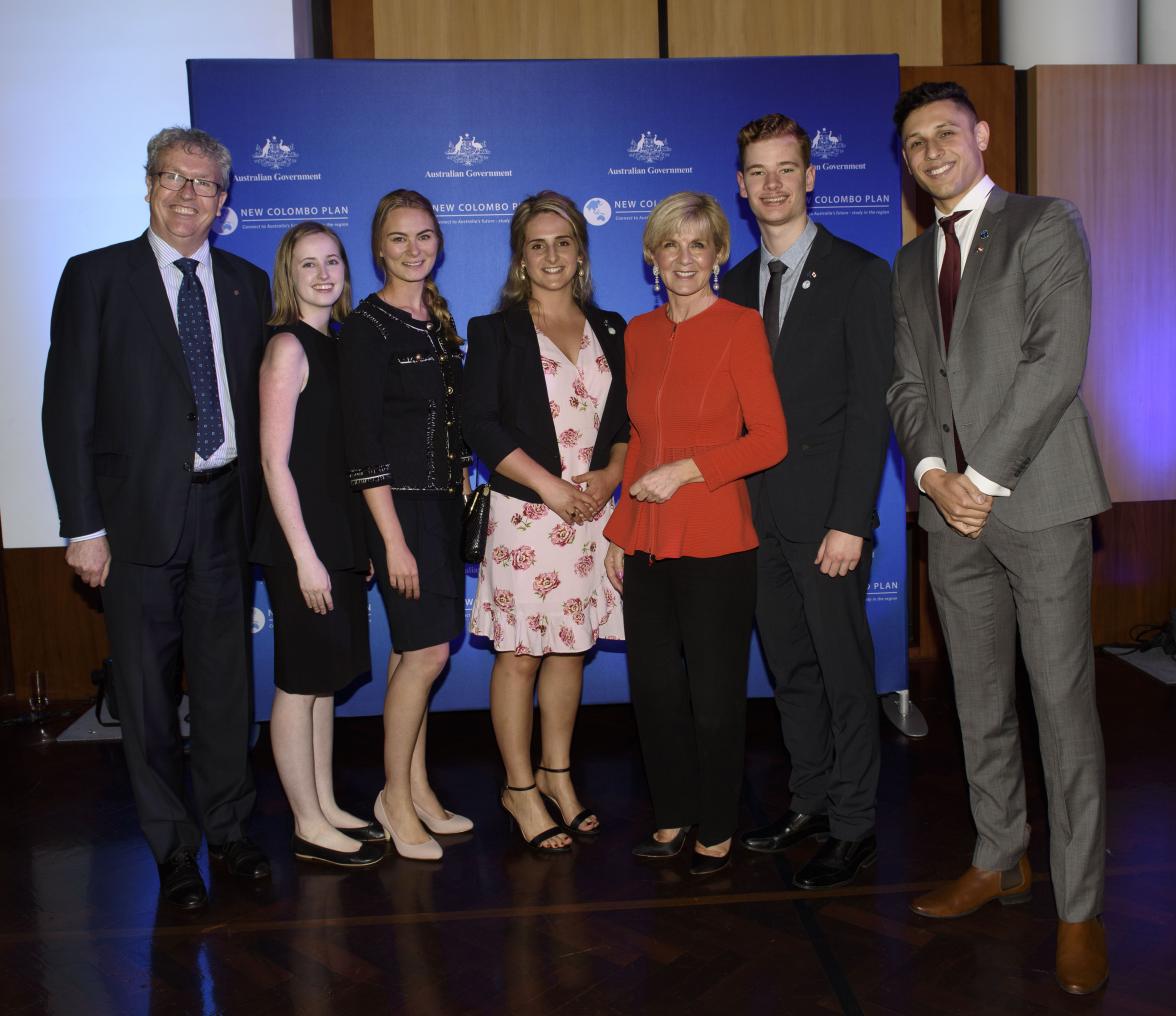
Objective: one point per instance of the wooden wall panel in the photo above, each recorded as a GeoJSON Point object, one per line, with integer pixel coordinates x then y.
{"type": "Point", "coordinates": [994, 94]}
{"type": "Point", "coordinates": [963, 31]}
{"type": "Point", "coordinates": [1102, 137]}
{"type": "Point", "coordinates": [514, 30]}
{"type": "Point", "coordinates": [352, 29]}
{"type": "Point", "coordinates": [56, 623]}
{"type": "Point", "coordinates": [910, 28]}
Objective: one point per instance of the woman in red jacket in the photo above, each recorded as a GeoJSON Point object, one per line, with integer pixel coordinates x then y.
{"type": "Point", "coordinates": [704, 412]}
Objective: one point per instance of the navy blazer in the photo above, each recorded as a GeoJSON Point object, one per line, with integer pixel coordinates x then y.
{"type": "Point", "coordinates": [833, 364]}
{"type": "Point", "coordinates": [119, 416]}
{"type": "Point", "coordinates": [505, 404]}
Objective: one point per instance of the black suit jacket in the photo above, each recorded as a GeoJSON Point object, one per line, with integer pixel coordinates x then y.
{"type": "Point", "coordinates": [119, 415]}
{"type": "Point", "coordinates": [833, 365]}
{"type": "Point", "coordinates": [505, 404]}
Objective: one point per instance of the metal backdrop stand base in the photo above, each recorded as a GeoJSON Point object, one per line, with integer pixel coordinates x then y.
{"type": "Point", "coordinates": [904, 714]}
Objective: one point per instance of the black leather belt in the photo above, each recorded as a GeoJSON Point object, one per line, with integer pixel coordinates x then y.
{"type": "Point", "coordinates": [208, 475]}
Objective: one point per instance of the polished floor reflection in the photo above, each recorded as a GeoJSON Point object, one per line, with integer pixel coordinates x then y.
{"type": "Point", "coordinates": [494, 929]}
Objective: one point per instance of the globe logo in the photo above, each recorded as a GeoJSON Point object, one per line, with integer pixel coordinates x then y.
{"type": "Point", "coordinates": [258, 625]}
{"type": "Point", "coordinates": [226, 222]}
{"type": "Point", "coordinates": [597, 211]}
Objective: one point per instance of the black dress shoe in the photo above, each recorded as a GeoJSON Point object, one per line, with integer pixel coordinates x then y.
{"type": "Point", "coordinates": [784, 832]}
{"type": "Point", "coordinates": [369, 853]}
{"type": "Point", "coordinates": [705, 864]}
{"type": "Point", "coordinates": [242, 858]}
{"type": "Point", "coordinates": [655, 849]}
{"type": "Point", "coordinates": [836, 863]}
{"type": "Point", "coordinates": [373, 832]}
{"type": "Point", "coordinates": [180, 883]}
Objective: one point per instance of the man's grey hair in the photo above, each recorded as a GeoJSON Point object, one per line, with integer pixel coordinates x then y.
{"type": "Point", "coordinates": [191, 139]}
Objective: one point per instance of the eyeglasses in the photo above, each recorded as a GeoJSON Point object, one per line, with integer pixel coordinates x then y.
{"type": "Point", "coordinates": [176, 181]}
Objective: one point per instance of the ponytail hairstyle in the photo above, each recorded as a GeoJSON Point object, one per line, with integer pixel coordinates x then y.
{"type": "Point", "coordinates": [517, 288]}
{"type": "Point", "coordinates": [286, 310]}
{"type": "Point", "coordinates": [435, 303]}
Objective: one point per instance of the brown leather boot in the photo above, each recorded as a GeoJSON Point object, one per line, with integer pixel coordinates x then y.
{"type": "Point", "coordinates": [1082, 956]}
{"type": "Point", "coordinates": [974, 888]}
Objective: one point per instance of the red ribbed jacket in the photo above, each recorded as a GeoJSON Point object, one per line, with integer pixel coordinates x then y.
{"type": "Point", "coordinates": [693, 389]}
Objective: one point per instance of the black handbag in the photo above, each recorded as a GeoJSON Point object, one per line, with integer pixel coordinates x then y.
{"type": "Point", "coordinates": [475, 521]}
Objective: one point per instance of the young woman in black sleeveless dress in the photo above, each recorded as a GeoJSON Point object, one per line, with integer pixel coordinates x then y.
{"type": "Point", "coordinates": [401, 378]}
{"type": "Point", "coordinates": [310, 540]}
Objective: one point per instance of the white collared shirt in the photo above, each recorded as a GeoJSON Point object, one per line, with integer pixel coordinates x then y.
{"type": "Point", "coordinates": [965, 229]}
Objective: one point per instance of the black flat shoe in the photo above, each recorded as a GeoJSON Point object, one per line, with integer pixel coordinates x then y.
{"type": "Point", "coordinates": [572, 827]}
{"type": "Point", "coordinates": [536, 841]}
{"type": "Point", "coordinates": [373, 832]}
{"type": "Point", "coordinates": [836, 863]}
{"type": "Point", "coordinates": [180, 883]}
{"type": "Point", "coordinates": [655, 850]}
{"type": "Point", "coordinates": [784, 832]}
{"type": "Point", "coordinates": [241, 858]}
{"type": "Point", "coordinates": [705, 864]}
{"type": "Point", "coordinates": [370, 852]}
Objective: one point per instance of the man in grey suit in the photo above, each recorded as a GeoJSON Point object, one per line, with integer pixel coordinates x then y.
{"type": "Point", "coordinates": [992, 318]}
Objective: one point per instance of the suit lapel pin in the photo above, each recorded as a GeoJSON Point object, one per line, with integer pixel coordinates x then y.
{"type": "Point", "coordinates": [611, 329]}
{"type": "Point", "coordinates": [807, 282]}
{"type": "Point", "coordinates": [984, 234]}
{"type": "Point", "coordinates": [236, 292]}
{"type": "Point", "coordinates": [980, 250]}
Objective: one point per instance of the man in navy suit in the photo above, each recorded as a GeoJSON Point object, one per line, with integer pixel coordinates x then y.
{"type": "Point", "coordinates": [826, 310]}
{"type": "Point", "coordinates": [150, 420]}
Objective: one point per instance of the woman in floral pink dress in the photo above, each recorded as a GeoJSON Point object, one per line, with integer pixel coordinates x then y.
{"type": "Point", "coordinates": [544, 407]}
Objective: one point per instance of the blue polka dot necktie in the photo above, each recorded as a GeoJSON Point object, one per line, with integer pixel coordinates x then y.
{"type": "Point", "coordinates": [196, 341]}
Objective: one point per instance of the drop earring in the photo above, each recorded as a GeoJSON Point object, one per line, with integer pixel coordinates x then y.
{"type": "Point", "coordinates": [656, 280]}
{"type": "Point", "coordinates": [522, 272]}
{"type": "Point", "coordinates": [580, 270]}
{"type": "Point", "coordinates": [715, 278]}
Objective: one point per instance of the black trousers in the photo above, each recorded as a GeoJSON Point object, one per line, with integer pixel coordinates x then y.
{"type": "Point", "coordinates": [688, 627]}
{"type": "Point", "coordinates": [817, 643]}
{"type": "Point", "coordinates": [195, 604]}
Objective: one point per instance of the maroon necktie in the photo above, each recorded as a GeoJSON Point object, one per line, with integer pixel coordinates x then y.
{"type": "Point", "coordinates": [949, 274]}
{"type": "Point", "coordinates": [949, 289]}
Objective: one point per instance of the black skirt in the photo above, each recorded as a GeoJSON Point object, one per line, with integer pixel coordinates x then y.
{"type": "Point", "coordinates": [318, 654]}
{"type": "Point", "coordinates": [432, 530]}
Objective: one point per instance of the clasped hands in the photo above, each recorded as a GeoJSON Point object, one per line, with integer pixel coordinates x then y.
{"type": "Point", "coordinates": [581, 498]}
{"type": "Point", "coordinates": [959, 501]}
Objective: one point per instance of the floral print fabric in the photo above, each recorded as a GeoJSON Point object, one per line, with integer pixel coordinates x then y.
{"type": "Point", "coordinates": [541, 586]}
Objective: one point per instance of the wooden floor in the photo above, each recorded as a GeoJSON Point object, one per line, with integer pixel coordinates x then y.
{"type": "Point", "coordinates": [492, 929]}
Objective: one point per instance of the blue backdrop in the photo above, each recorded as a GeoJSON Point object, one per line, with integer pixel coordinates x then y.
{"type": "Point", "coordinates": [326, 139]}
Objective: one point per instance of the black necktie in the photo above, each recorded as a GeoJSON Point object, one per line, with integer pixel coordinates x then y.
{"type": "Point", "coordinates": [949, 290]}
{"type": "Point", "coordinates": [196, 341]}
{"type": "Point", "coordinates": [772, 302]}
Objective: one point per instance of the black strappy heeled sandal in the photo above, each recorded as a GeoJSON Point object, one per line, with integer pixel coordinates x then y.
{"type": "Point", "coordinates": [574, 826]}
{"type": "Point", "coordinates": [535, 842]}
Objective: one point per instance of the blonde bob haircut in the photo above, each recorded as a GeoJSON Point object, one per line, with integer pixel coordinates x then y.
{"type": "Point", "coordinates": [687, 209]}
{"type": "Point", "coordinates": [285, 295]}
